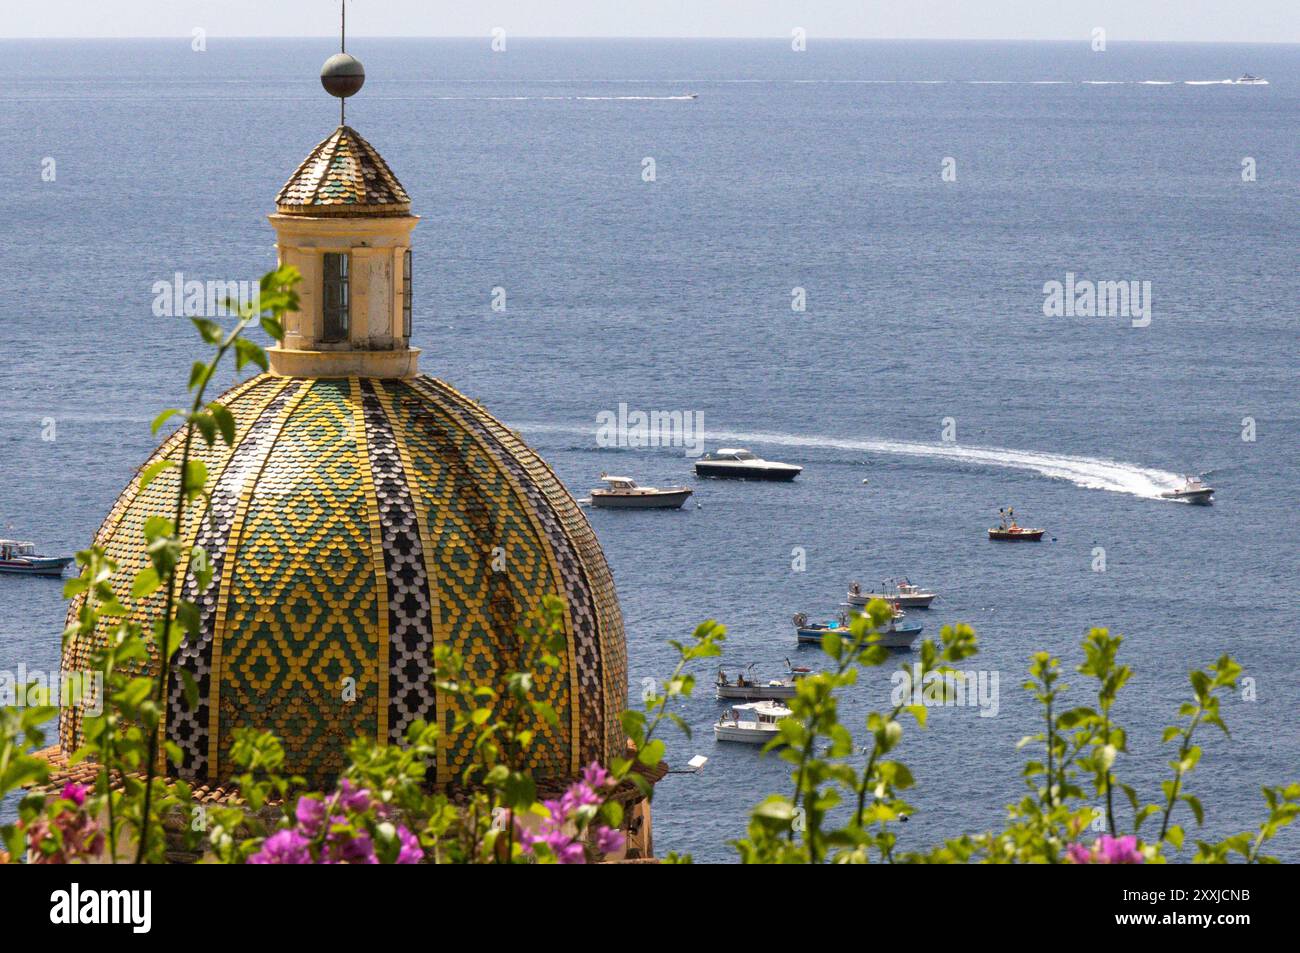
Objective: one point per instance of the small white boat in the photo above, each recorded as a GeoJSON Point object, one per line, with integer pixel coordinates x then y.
{"type": "Point", "coordinates": [901, 593]}
{"type": "Point", "coordinates": [739, 464]}
{"type": "Point", "coordinates": [749, 688]}
{"type": "Point", "coordinates": [622, 493]}
{"type": "Point", "coordinates": [754, 723]}
{"type": "Point", "coordinates": [20, 557]}
{"type": "Point", "coordinates": [1192, 491]}
{"type": "Point", "coordinates": [1246, 79]}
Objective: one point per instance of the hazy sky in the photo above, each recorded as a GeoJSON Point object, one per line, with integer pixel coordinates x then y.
{"type": "Point", "coordinates": [1197, 20]}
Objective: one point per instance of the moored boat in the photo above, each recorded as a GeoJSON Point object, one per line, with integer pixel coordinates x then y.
{"type": "Point", "coordinates": [21, 558]}
{"type": "Point", "coordinates": [622, 493]}
{"type": "Point", "coordinates": [900, 632]}
{"type": "Point", "coordinates": [739, 464]}
{"type": "Point", "coordinates": [901, 593]}
{"type": "Point", "coordinates": [750, 688]}
{"type": "Point", "coordinates": [1009, 530]}
{"type": "Point", "coordinates": [755, 723]}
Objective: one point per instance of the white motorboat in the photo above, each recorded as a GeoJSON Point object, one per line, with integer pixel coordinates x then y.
{"type": "Point", "coordinates": [1246, 79]}
{"type": "Point", "coordinates": [20, 557]}
{"type": "Point", "coordinates": [750, 688]}
{"type": "Point", "coordinates": [739, 464]}
{"type": "Point", "coordinates": [901, 593]}
{"type": "Point", "coordinates": [622, 493]}
{"type": "Point", "coordinates": [755, 723]}
{"type": "Point", "coordinates": [1192, 491]}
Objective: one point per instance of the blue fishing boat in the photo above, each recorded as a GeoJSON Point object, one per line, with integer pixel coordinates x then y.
{"type": "Point", "coordinates": [899, 634]}
{"type": "Point", "coordinates": [22, 558]}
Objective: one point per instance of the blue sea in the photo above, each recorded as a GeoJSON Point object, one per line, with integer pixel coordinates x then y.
{"type": "Point", "coordinates": [819, 170]}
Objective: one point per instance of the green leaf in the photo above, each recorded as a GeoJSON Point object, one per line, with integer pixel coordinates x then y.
{"type": "Point", "coordinates": [187, 614]}
{"type": "Point", "coordinates": [191, 688]}
{"type": "Point", "coordinates": [196, 477]}
{"type": "Point", "coordinates": [273, 328]}
{"type": "Point", "coordinates": [199, 374]}
{"type": "Point", "coordinates": [156, 527]}
{"type": "Point", "coordinates": [146, 583]}
{"type": "Point", "coordinates": [152, 470]}
{"type": "Point", "coordinates": [163, 418]}
{"type": "Point", "coordinates": [247, 351]}
{"type": "Point", "coordinates": [652, 753]}
{"type": "Point", "coordinates": [209, 330]}
{"type": "Point", "coordinates": [225, 422]}
{"type": "Point", "coordinates": [207, 426]}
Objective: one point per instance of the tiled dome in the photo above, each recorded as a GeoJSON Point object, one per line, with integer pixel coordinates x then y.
{"type": "Point", "coordinates": [353, 527]}
{"type": "Point", "coordinates": [344, 175]}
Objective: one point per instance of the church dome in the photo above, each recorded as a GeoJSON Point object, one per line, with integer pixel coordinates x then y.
{"type": "Point", "coordinates": [365, 515]}
{"type": "Point", "coordinates": [355, 525]}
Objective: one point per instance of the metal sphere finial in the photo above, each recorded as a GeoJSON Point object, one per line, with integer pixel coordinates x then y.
{"type": "Point", "coordinates": [342, 75]}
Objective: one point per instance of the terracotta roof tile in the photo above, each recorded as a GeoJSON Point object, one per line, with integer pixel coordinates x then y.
{"type": "Point", "coordinates": [61, 772]}
{"type": "Point", "coordinates": [85, 772]}
{"type": "Point", "coordinates": [344, 175]}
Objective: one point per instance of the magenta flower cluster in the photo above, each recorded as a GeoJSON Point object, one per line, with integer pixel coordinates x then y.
{"type": "Point", "coordinates": [66, 833]}
{"type": "Point", "coordinates": [339, 830]}
{"type": "Point", "coordinates": [1107, 850]}
{"type": "Point", "coordinates": [561, 831]}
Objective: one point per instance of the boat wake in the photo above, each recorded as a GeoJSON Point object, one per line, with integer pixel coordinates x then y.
{"type": "Point", "coordinates": [1094, 473]}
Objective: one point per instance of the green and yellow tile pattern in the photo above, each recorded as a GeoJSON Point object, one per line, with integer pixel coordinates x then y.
{"type": "Point", "coordinates": [354, 526]}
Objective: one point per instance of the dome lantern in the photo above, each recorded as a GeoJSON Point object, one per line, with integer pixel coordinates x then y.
{"type": "Point", "coordinates": [344, 221]}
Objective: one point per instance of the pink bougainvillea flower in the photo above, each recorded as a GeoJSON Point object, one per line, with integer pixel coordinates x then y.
{"type": "Point", "coordinates": [310, 814]}
{"type": "Point", "coordinates": [353, 798]}
{"type": "Point", "coordinates": [595, 776]}
{"type": "Point", "coordinates": [609, 840]}
{"type": "Point", "coordinates": [411, 852]}
{"type": "Point", "coordinates": [1118, 850]}
{"type": "Point", "coordinates": [1106, 850]}
{"type": "Point", "coordinates": [1078, 854]}
{"type": "Point", "coordinates": [283, 847]}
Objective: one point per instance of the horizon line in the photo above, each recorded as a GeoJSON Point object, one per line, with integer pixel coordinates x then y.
{"type": "Point", "coordinates": [756, 36]}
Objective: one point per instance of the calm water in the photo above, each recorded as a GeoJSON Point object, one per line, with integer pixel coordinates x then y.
{"type": "Point", "coordinates": [818, 170]}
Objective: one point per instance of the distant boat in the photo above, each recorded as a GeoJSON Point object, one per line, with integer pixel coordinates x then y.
{"type": "Point", "coordinates": [755, 723]}
{"type": "Point", "coordinates": [745, 686]}
{"type": "Point", "coordinates": [1192, 491]}
{"type": "Point", "coordinates": [623, 494]}
{"type": "Point", "coordinates": [902, 593]}
{"type": "Point", "coordinates": [742, 465]}
{"type": "Point", "coordinates": [21, 558]}
{"type": "Point", "coordinates": [1009, 530]}
{"type": "Point", "coordinates": [1246, 79]}
{"type": "Point", "coordinates": [898, 634]}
